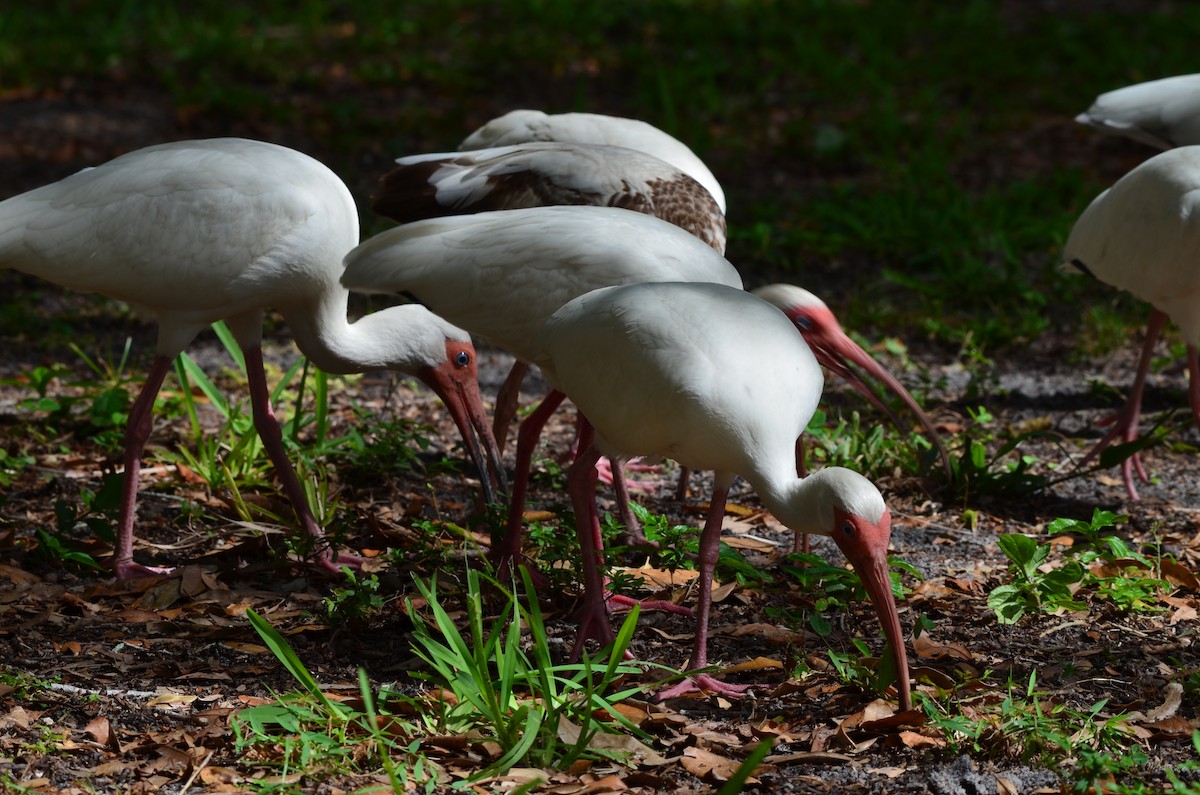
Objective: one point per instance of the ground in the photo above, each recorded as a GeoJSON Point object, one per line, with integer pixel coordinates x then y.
{"type": "Point", "coordinates": [146, 674]}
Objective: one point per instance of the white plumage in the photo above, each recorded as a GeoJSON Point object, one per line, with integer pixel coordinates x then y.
{"type": "Point", "coordinates": [525, 126]}
{"type": "Point", "coordinates": [548, 173]}
{"type": "Point", "coordinates": [1143, 235]}
{"type": "Point", "coordinates": [714, 378]}
{"type": "Point", "coordinates": [199, 231]}
{"type": "Point", "coordinates": [501, 275]}
{"type": "Point", "coordinates": [1160, 113]}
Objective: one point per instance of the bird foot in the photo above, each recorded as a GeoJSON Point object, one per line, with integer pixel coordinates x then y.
{"type": "Point", "coordinates": [701, 684]}
{"type": "Point", "coordinates": [618, 603]}
{"type": "Point", "coordinates": [605, 475]}
{"type": "Point", "coordinates": [1123, 431]}
{"type": "Point", "coordinates": [333, 564]}
{"type": "Point", "coordinates": [128, 570]}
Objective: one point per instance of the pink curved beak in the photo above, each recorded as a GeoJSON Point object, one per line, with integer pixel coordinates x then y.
{"type": "Point", "coordinates": [866, 550]}
{"type": "Point", "coordinates": [836, 352]}
{"type": "Point", "coordinates": [458, 388]}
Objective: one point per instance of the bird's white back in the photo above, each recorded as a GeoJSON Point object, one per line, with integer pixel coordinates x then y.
{"type": "Point", "coordinates": [522, 126]}
{"type": "Point", "coordinates": [706, 374]}
{"type": "Point", "coordinates": [500, 275]}
{"type": "Point", "coordinates": [1161, 113]}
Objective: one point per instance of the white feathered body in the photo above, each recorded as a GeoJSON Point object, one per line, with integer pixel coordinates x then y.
{"type": "Point", "coordinates": [524, 126]}
{"type": "Point", "coordinates": [1161, 113]}
{"type": "Point", "coordinates": [500, 275]}
{"type": "Point", "coordinates": [548, 173]}
{"type": "Point", "coordinates": [1143, 235]}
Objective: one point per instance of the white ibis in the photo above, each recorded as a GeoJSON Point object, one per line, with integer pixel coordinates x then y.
{"type": "Point", "coordinates": [1143, 235]}
{"type": "Point", "coordinates": [714, 378]}
{"type": "Point", "coordinates": [526, 126]}
{"type": "Point", "coordinates": [199, 231]}
{"type": "Point", "coordinates": [1163, 114]}
{"type": "Point", "coordinates": [548, 173]}
{"type": "Point", "coordinates": [541, 174]}
{"type": "Point", "coordinates": [500, 275]}
{"type": "Point", "coordinates": [1160, 113]}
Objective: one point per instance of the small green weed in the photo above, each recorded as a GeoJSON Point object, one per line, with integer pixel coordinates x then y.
{"type": "Point", "coordinates": [1027, 725]}
{"type": "Point", "coordinates": [355, 602]}
{"type": "Point", "coordinates": [1103, 566]}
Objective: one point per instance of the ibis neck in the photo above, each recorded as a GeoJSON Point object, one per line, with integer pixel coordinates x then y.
{"type": "Point", "coordinates": [377, 341]}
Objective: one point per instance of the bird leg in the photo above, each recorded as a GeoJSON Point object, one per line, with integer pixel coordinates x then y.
{"type": "Point", "coordinates": [508, 549]}
{"type": "Point", "coordinates": [581, 485]}
{"type": "Point", "coordinates": [507, 401]}
{"type": "Point", "coordinates": [272, 439]}
{"type": "Point", "coordinates": [137, 431]}
{"type": "Point", "coordinates": [710, 546]}
{"type": "Point", "coordinates": [1125, 422]}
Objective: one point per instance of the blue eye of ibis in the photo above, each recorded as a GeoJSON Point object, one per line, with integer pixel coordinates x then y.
{"type": "Point", "coordinates": [462, 358]}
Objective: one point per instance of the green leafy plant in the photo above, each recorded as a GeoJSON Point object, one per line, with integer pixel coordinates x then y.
{"type": "Point", "coordinates": [354, 602]}
{"type": "Point", "coordinates": [1033, 589]}
{"type": "Point", "coordinates": [1103, 566]}
{"type": "Point", "coordinates": [1027, 724]}
{"type": "Point", "coordinates": [517, 698]}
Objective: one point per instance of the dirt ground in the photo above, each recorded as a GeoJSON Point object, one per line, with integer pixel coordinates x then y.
{"type": "Point", "coordinates": [148, 672]}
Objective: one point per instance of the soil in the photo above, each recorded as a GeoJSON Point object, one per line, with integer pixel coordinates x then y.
{"type": "Point", "coordinates": [147, 673]}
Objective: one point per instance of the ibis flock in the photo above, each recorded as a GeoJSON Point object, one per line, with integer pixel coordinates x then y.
{"type": "Point", "coordinates": [588, 247]}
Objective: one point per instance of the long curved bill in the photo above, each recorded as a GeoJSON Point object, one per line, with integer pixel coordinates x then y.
{"type": "Point", "coordinates": [867, 553]}
{"type": "Point", "coordinates": [836, 351]}
{"type": "Point", "coordinates": [459, 390]}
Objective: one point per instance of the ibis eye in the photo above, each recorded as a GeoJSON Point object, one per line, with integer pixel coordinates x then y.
{"type": "Point", "coordinates": [462, 358]}
{"type": "Point", "coordinates": [803, 322]}
{"type": "Point", "coordinates": [848, 529]}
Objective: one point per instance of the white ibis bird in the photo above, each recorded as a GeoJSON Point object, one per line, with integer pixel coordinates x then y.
{"type": "Point", "coordinates": [1160, 113]}
{"type": "Point", "coordinates": [1143, 235]}
{"type": "Point", "coordinates": [548, 173]}
{"type": "Point", "coordinates": [1163, 114]}
{"type": "Point", "coordinates": [542, 174]}
{"type": "Point", "coordinates": [199, 231]}
{"type": "Point", "coordinates": [714, 378]}
{"type": "Point", "coordinates": [527, 126]}
{"type": "Point", "coordinates": [501, 275]}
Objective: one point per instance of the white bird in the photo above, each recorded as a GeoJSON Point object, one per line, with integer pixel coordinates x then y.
{"type": "Point", "coordinates": [501, 275]}
{"type": "Point", "coordinates": [1143, 235]}
{"type": "Point", "coordinates": [1161, 113]}
{"type": "Point", "coordinates": [527, 126]}
{"type": "Point", "coordinates": [194, 232]}
{"type": "Point", "coordinates": [714, 378]}
{"type": "Point", "coordinates": [540, 174]}
{"type": "Point", "coordinates": [548, 173]}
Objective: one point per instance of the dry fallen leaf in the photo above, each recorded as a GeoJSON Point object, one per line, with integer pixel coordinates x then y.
{"type": "Point", "coordinates": [569, 733]}
{"type": "Point", "coordinates": [709, 766]}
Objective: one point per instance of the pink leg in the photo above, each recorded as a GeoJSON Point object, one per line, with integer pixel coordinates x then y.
{"type": "Point", "coordinates": [581, 485]}
{"type": "Point", "coordinates": [1125, 422]}
{"type": "Point", "coordinates": [710, 545]}
{"type": "Point", "coordinates": [507, 400]}
{"type": "Point", "coordinates": [272, 439]}
{"type": "Point", "coordinates": [509, 548]}
{"type": "Point", "coordinates": [137, 431]}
